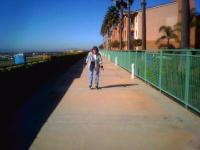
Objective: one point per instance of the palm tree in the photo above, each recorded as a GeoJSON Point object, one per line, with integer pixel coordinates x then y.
{"type": "Point", "coordinates": [168, 34]}
{"type": "Point", "coordinates": [104, 27]}
{"type": "Point", "coordinates": [185, 38]}
{"type": "Point", "coordinates": [121, 5]}
{"type": "Point", "coordinates": [143, 4]}
{"type": "Point", "coordinates": [110, 20]}
{"type": "Point", "coordinates": [129, 3]}
{"type": "Point", "coordinates": [193, 21]}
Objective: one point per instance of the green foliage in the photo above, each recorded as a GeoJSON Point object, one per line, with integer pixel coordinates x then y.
{"type": "Point", "coordinates": [29, 64]}
{"type": "Point", "coordinates": [138, 42]}
{"type": "Point", "coordinates": [194, 21]}
{"type": "Point", "coordinates": [111, 19]}
{"type": "Point", "coordinates": [168, 34]}
{"type": "Point", "coordinates": [123, 3]}
{"type": "Point", "coordinates": [115, 44]}
{"type": "Point", "coordinates": [101, 46]}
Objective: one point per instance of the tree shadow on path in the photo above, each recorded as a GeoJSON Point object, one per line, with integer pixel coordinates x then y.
{"type": "Point", "coordinates": [20, 131]}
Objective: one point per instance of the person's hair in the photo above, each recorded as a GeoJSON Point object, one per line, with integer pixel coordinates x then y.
{"type": "Point", "coordinates": [95, 48]}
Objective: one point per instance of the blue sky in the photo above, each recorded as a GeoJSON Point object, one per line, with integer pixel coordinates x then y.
{"type": "Point", "coordinates": [54, 24]}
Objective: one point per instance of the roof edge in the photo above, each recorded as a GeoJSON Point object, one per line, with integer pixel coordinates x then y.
{"type": "Point", "coordinates": [153, 7]}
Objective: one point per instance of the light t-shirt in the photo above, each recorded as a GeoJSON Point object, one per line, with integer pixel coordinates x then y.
{"type": "Point", "coordinates": [94, 57]}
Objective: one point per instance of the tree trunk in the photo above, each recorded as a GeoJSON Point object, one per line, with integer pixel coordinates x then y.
{"type": "Point", "coordinates": [143, 3]}
{"type": "Point", "coordinates": [120, 30]}
{"type": "Point", "coordinates": [185, 24]}
{"type": "Point", "coordinates": [109, 40]}
{"type": "Point", "coordinates": [168, 46]}
{"type": "Point", "coordinates": [128, 32]}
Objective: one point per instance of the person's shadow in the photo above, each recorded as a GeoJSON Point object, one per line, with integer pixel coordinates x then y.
{"type": "Point", "coordinates": [117, 85]}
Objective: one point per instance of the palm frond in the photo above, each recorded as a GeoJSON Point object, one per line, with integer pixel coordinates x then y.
{"type": "Point", "coordinates": [164, 37]}
{"type": "Point", "coordinates": [111, 18]}
{"type": "Point", "coordinates": [162, 28]}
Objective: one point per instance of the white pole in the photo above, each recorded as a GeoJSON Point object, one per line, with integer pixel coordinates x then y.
{"type": "Point", "coordinates": [116, 61]}
{"type": "Point", "coordinates": [132, 71]}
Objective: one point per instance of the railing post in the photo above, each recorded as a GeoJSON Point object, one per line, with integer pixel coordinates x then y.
{"type": "Point", "coordinates": [129, 62]}
{"type": "Point", "coordinates": [160, 73]}
{"type": "Point", "coordinates": [187, 78]}
{"type": "Point", "coordinates": [136, 63]}
{"type": "Point", "coordinates": [116, 61]}
{"type": "Point", "coordinates": [132, 71]}
{"type": "Point", "coordinates": [145, 66]}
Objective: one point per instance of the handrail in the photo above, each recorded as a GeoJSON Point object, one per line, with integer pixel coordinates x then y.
{"type": "Point", "coordinates": [176, 74]}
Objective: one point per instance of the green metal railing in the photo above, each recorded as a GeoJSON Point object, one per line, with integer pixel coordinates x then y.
{"type": "Point", "coordinates": [175, 72]}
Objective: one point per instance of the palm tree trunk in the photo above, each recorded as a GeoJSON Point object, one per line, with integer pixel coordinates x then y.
{"type": "Point", "coordinates": [168, 43]}
{"type": "Point", "coordinates": [110, 40]}
{"type": "Point", "coordinates": [143, 3]}
{"type": "Point", "coordinates": [120, 29]}
{"type": "Point", "coordinates": [128, 33]}
{"type": "Point", "coordinates": [185, 25]}
{"type": "Point", "coordinates": [109, 43]}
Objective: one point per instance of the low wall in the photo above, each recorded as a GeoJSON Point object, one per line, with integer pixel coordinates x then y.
{"type": "Point", "coordinates": [17, 83]}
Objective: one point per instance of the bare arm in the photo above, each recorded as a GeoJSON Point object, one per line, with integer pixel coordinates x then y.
{"type": "Point", "coordinates": [87, 59]}
{"type": "Point", "coordinates": [100, 62]}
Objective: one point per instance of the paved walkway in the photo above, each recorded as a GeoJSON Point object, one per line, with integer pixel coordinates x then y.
{"type": "Point", "coordinates": [124, 114]}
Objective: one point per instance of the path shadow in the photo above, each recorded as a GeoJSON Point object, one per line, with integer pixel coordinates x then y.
{"type": "Point", "coordinates": [117, 85]}
{"type": "Point", "coordinates": [20, 131]}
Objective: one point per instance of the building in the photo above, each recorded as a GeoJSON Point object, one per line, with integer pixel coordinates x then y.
{"type": "Point", "coordinates": [167, 14]}
{"type": "Point", "coordinates": [114, 38]}
{"type": "Point", "coordinates": [197, 34]}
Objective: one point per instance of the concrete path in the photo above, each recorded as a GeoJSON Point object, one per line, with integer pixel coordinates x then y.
{"type": "Point", "coordinates": [124, 114]}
